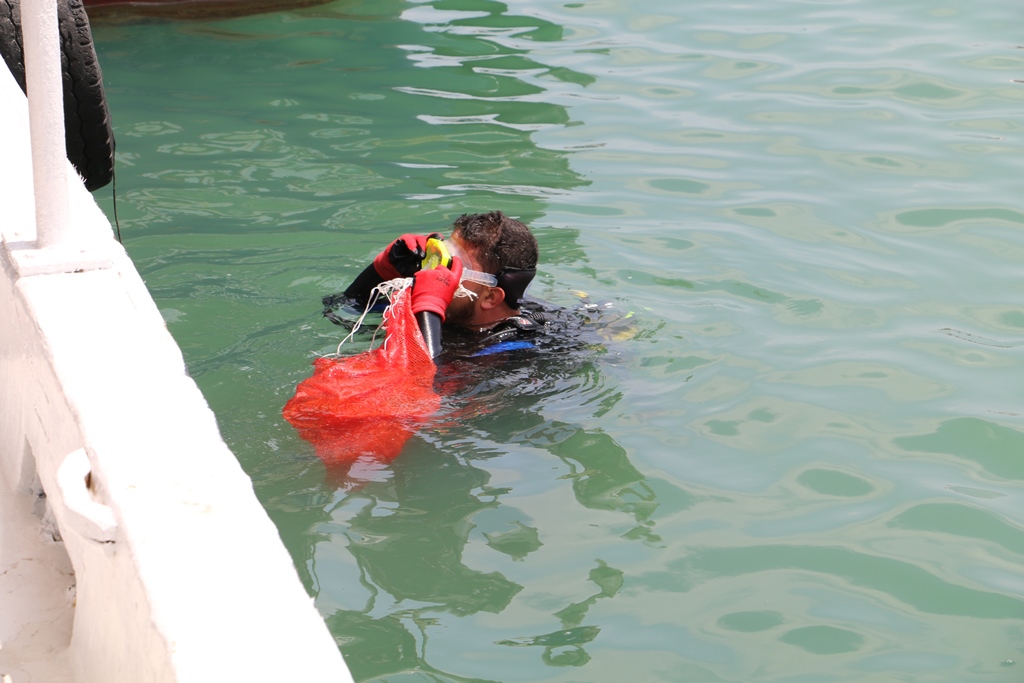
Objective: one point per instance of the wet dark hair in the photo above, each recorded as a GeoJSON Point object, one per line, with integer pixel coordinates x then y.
{"type": "Point", "coordinates": [504, 247]}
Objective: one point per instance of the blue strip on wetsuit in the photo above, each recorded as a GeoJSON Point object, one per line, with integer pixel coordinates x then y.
{"type": "Point", "coordinates": [501, 347]}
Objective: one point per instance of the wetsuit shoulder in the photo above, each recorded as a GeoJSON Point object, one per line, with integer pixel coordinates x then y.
{"type": "Point", "coordinates": [512, 334]}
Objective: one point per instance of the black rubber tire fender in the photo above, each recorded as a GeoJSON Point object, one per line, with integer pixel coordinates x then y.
{"type": "Point", "coordinates": [88, 133]}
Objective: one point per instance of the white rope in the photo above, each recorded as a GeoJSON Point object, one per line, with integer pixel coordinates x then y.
{"type": "Point", "coordinates": [390, 289]}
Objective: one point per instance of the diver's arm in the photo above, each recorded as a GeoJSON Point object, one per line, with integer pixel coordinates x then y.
{"type": "Point", "coordinates": [363, 285]}
{"type": "Point", "coordinates": [430, 327]}
{"type": "Point", "coordinates": [401, 258]}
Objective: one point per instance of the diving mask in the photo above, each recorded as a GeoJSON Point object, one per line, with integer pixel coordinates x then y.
{"type": "Point", "coordinates": [513, 281]}
{"type": "Point", "coordinates": [438, 254]}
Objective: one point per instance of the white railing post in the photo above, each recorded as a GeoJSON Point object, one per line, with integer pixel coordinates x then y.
{"type": "Point", "coordinates": [43, 78]}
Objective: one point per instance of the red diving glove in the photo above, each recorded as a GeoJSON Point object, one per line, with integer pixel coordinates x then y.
{"type": "Point", "coordinates": [433, 289]}
{"type": "Point", "coordinates": [403, 257]}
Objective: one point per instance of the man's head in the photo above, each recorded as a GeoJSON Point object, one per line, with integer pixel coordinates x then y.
{"type": "Point", "coordinates": [498, 245]}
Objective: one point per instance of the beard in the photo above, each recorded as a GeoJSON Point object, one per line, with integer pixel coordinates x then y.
{"type": "Point", "coordinates": [460, 311]}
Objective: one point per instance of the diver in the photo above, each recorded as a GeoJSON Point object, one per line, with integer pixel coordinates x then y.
{"type": "Point", "coordinates": [473, 282]}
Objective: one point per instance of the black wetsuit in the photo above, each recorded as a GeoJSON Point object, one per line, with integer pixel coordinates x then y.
{"type": "Point", "coordinates": [521, 332]}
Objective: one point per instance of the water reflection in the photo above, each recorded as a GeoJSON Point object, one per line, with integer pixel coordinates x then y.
{"type": "Point", "coordinates": [905, 582]}
{"type": "Point", "coordinates": [963, 521]}
{"type": "Point", "coordinates": [992, 446]}
{"type": "Point", "coordinates": [311, 120]}
{"type": "Point", "coordinates": [436, 488]}
{"type": "Point", "coordinates": [602, 476]}
{"type": "Point", "coordinates": [121, 12]}
{"type": "Point", "coordinates": [565, 646]}
{"type": "Point", "coordinates": [411, 547]}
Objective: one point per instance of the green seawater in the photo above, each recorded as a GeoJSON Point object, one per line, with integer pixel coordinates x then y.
{"type": "Point", "coordinates": [798, 454]}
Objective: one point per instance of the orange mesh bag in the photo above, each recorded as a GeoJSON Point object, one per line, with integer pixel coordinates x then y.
{"type": "Point", "coordinates": [368, 405]}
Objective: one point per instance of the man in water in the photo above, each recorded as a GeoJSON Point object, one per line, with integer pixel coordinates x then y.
{"type": "Point", "coordinates": [494, 259]}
